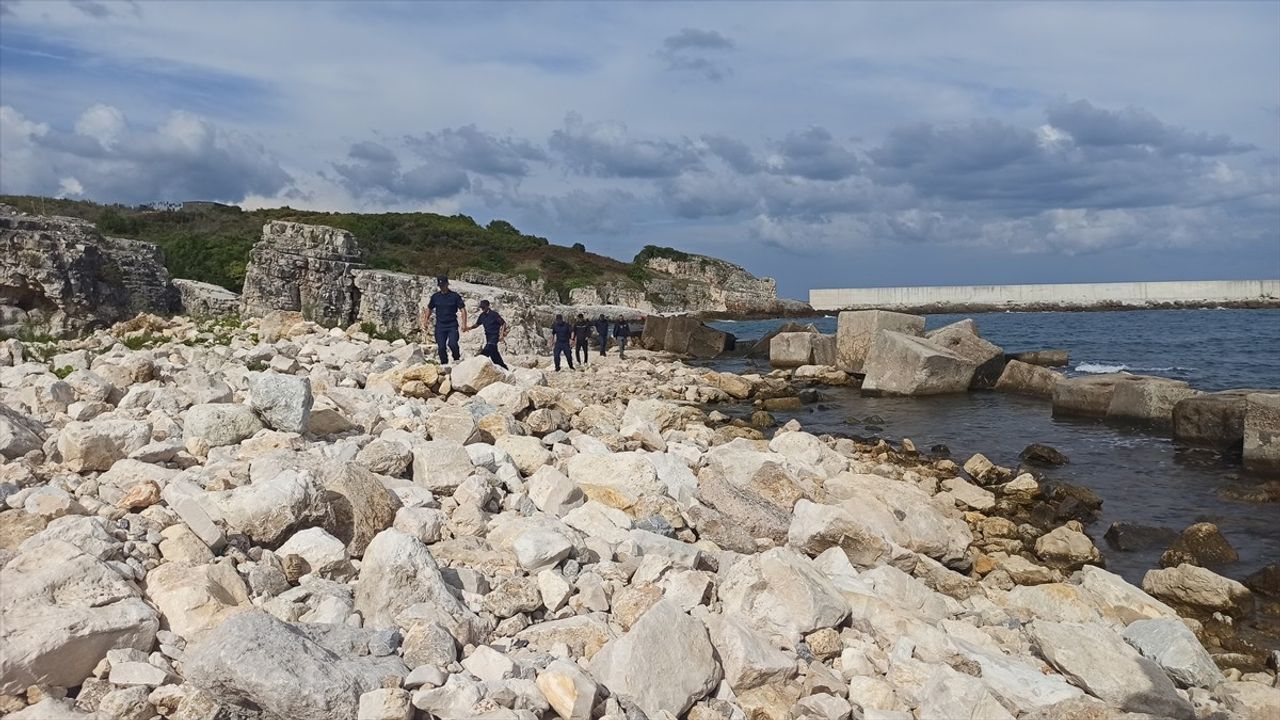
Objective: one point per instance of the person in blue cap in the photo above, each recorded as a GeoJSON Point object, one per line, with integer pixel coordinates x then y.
{"type": "Point", "coordinates": [495, 331]}
{"type": "Point", "coordinates": [444, 306]}
{"type": "Point", "coordinates": [561, 331]}
{"type": "Point", "coordinates": [602, 329]}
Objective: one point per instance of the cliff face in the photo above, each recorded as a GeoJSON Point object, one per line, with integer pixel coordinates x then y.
{"type": "Point", "coordinates": [61, 276]}
{"type": "Point", "coordinates": [695, 284]}
{"type": "Point", "coordinates": [698, 283]}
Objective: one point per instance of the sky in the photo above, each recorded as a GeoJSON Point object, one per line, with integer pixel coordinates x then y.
{"type": "Point", "coordinates": [830, 144]}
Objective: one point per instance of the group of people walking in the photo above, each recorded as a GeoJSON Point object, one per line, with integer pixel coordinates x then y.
{"type": "Point", "coordinates": [445, 306]}
{"type": "Point", "coordinates": [579, 333]}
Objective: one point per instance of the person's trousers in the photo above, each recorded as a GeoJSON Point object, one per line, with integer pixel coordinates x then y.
{"type": "Point", "coordinates": [604, 344]}
{"type": "Point", "coordinates": [490, 351]}
{"type": "Point", "coordinates": [447, 337]}
{"type": "Point", "coordinates": [580, 351]}
{"type": "Point", "coordinates": [622, 347]}
{"type": "Point", "coordinates": [568, 355]}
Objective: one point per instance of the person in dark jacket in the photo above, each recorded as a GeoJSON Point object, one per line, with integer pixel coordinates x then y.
{"type": "Point", "coordinates": [602, 329]}
{"type": "Point", "coordinates": [495, 331]}
{"type": "Point", "coordinates": [444, 306]}
{"type": "Point", "coordinates": [561, 332]}
{"type": "Point", "coordinates": [581, 339]}
{"type": "Point", "coordinates": [621, 331]}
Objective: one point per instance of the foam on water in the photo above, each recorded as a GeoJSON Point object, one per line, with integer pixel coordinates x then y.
{"type": "Point", "coordinates": [1100, 368]}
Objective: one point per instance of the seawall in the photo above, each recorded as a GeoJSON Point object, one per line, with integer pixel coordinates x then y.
{"type": "Point", "coordinates": [1075, 296]}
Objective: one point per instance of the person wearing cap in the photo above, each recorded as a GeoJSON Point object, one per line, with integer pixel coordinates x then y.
{"type": "Point", "coordinates": [495, 331]}
{"type": "Point", "coordinates": [621, 331]}
{"type": "Point", "coordinates": [581, 339]}
{"type": "Point", "coordinates": [561, 331]}
{"type": "Point", "coordinates": [602, 329]}
{"type": "Point", "coordinates": [444, 306]}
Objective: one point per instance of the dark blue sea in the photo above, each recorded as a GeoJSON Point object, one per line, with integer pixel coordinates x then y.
{"type": "Point", "coordinates": [1141, 476]}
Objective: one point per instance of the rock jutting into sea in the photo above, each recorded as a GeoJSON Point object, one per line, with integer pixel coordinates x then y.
{"type": "Point", "coordinates": [273, 519]}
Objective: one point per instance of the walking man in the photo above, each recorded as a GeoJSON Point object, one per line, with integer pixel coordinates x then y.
{"type": "Point", "coordinates": [602, 328]}
{"type": "Point", "coordinates": [445, 305]}
{"type": "Point", "coordinates": [581, 339]}
{"type": "Point", "coordinates": [495, 331]}
{"type": "Point", "coordinates": [561, 331]}
{"type": "Point", "coordinates": [622, 331]}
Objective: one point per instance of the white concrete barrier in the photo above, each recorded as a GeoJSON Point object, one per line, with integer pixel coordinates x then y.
{"type": "Point", "coordinates": [1076, 295]}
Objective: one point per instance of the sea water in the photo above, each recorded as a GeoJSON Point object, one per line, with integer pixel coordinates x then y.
{"type": "Point", "coordinates": [1142, 477]}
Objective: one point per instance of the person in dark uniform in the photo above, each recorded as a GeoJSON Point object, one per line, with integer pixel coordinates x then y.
{"type": "Point", "coordinates": [602, 328]}
{"type": "Point", "coordinates": [581, 339]}
{"type": "Point", "coordinates": [444, 306]}
{"type": "Point", "coordinates": [495, 331]}
{"type": "Point", "coordinates": [561, 331]}
{"type": "Point", "coordinates": [621, 331]}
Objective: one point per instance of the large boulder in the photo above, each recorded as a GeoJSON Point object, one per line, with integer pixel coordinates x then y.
{"type": "Point", "coordinates": [1171, 644]}
{"type": "Point", "coordinates": [1211, 419]}
{"type": "Point", "coordinates": [1043, 358]}
{"type": "Point", "coordinates": [475, 374]}
{"type": "Point", "coordinates": [397, 572]}
{"type": "Point", "coordinates": [856, 331]}
{"type": "Point", "coordinates": [441, 465]}
{"type": "Point", "coordinates": [358, 505]}
{"type": "Point", "coordinates": [63, 610]}
{"type": "Point", "coordinates": [903, 514]}
{"type": "Point", "coordinates": [1198, 590]}
{"type": "Point", "coordinates": [1098, 660]}
{"type": "Point", "coordinates": [1149, 402]}
{"type": "Point", "coordinates": [618, 480]}
{"type": "Point", "coordinates": [87, 446]}
{"type": "Point", "coordinates": [283, 402]}
{"type": "Point", "coordinates": [258, 663]}
{"type": "Point", "coordinates": [218, 424]}
{"type": "Point", "coordinates": [268, 509]}
{"type": "Point", "coordinates": [747, 656]}
{"type": "Point", "coordinates": [900, 364]}
{"type": "Point", "coordinates": [665, 663]}
{"type": "Point", "coordinates": [19, 434]}
{"type": "Point", "coordinates": [780, 592]}
{"type": "Point", "coordinates": [195, 599]}
{"type": "Point", "coordinates": [1262, 433]}
{"type": "Point", "coordinates": [962, 339]}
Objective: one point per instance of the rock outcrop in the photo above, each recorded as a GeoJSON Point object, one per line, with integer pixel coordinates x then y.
{"type": "Point", "coordinates": [61, 276]}
{"type": "Point", "coordinates": [701, 284]}
{"type": "Point", "coordinates": [303, 268]}
{"type": "Point", "coordinates": [684, 335]}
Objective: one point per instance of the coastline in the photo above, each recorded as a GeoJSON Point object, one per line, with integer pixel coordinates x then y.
{"type": "Point", "coordinates": [538, 535]}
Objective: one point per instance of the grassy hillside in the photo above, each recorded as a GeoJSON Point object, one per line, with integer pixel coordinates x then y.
{"type": "Point", "coordinates": [211, 242]}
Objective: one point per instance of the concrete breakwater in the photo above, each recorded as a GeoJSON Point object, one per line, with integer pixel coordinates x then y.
{"type": "Point", "coordinates": [1074, 296]}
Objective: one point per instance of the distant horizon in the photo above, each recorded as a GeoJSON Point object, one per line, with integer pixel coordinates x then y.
{"type": "Point", "coordinates": [821, 144]}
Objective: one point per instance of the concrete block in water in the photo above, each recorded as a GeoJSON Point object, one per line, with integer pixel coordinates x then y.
{"type": "Point", "coordinates": [1262, 433]}
{"type": "Point", "coordinates": [1090, 395]}
{"type": "Point", "coordinates": [900, 364]}
{"type": "Point", "coordinates": [1212, 419]}
{"type": "Point", "coordinates": [793, 349]}
{"type": "Point", "coordinates": [856, 332]}
{"type": "Point", "coordinates": [1150, 401]}
{"type": "Point", "coordinates": [1046, 358]}
{"type": "Point", "coordinates": [1026, 379]}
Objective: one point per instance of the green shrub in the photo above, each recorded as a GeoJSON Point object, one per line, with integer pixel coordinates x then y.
{"type": "Point", "coordinates": [656, 251]}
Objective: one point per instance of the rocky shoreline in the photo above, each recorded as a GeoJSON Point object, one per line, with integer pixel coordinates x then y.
{"type": "Point", "coordinates": [274, 519]}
